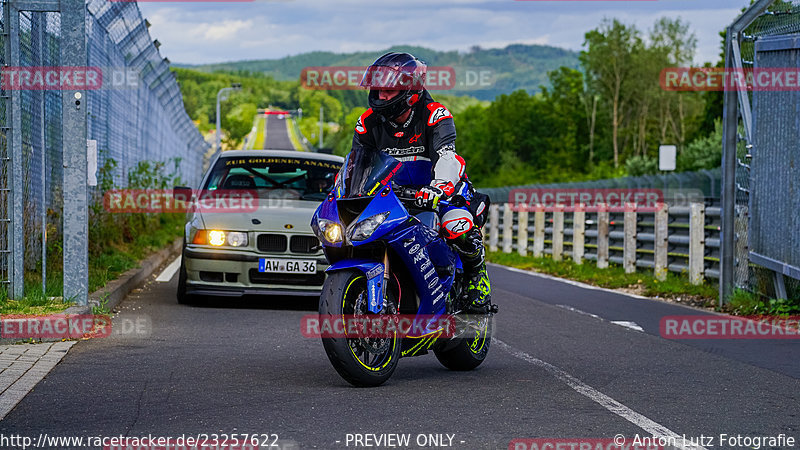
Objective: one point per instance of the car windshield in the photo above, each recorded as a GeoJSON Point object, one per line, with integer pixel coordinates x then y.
{"type": "Point", "coordinates": [275, 177]}
{"type": "Point", "coordinates": [366, 171]}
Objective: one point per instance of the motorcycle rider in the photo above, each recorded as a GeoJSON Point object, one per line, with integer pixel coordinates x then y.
{"type": "Point", "coordinates": [406, 123]}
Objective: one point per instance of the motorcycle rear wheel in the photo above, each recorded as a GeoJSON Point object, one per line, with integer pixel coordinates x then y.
{"type": "Point", "coordinates": [470, 351]}
{"type": "Point", "coordinates": [361, 362]}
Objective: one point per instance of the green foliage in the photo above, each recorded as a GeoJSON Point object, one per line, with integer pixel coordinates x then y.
{"type": "Point", "coordinates": [515, 67]}
{"type": "Point", "coordinates": [117, 241]}
{"type": "Point", "coordinates": [746, 303]}
{"type": "Point", "coordinates": [238, 122]}
{"type": "Point", "coordinates": [704, 152]}
{"type": "Point", "coordinates": [641, 165]}
{"type": "Point", "coordinates": [601, 115]}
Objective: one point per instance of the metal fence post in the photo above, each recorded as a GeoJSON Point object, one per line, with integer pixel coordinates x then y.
{"type": "Point", "coordinates": [661, 244]}
{"type": "Point", "coordinates": [602, 236]}
{"type": "Point", "coordinates": [522, 230]}
{"type": "Point", "coordinates": [508, 228]}
{"type": "Point", "coordinates": [538, 232]}
{"type": "Point", "coordinates": [494, 219]}
{"type": "Point", "coordinates": [578, 233]}
{"type": "Point", "coordinates": [16, 230]}
{"type": "Point", "coordinates": [76, 217]}
{"type": "Point", "coordinates": [730, 120]}
{"type": "Point", "coordinates": [558, 233]}
{"type": "Point", "coordinates": [629, 247]}
{"type": "Point", "coordinates": [696, 243]}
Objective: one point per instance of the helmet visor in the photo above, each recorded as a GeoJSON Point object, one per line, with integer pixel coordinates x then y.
{"type": "Point", "coordinates": [409, 77]}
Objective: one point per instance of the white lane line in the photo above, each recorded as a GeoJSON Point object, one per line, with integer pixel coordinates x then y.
{"type": "Point", "coordinates": [627, 324]}
{"type": "Point", "coordinates": [169, 271]}
{"type": "Point", "coordinates": [655, 429]}
{"type": "Point", "coordinates": [564, 280]}
{"type": "Point", "coordinates": [576, 310]}
{"type": "Point", "coordinates": [596, 288]}
{"type": "Point", "coordinates": [622, 323]}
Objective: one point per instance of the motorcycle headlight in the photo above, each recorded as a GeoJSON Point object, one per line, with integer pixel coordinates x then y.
{"type": "Point", "coordinates": [364, 229]}
{"type": "Point", "coordinates": [328, 230]}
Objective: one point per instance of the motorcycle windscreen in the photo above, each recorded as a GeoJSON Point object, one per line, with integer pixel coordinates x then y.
{"type": "Point", "coordinates": [365, 172]}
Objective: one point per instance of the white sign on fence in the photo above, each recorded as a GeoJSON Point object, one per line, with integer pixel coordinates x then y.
{"type": "Point", "coordinates": [666, 157]}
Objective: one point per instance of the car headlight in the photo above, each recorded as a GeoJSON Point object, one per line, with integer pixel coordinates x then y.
{"type": "Point", "coordinates": [219, 238]}
{"type": "Point", "coordinates": [328, 230]}
{"type": "Point", "coordinates": [364, 229]}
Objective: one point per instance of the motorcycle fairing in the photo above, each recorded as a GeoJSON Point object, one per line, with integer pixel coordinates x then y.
{"type": "Point", "coordinates": [373, 270]}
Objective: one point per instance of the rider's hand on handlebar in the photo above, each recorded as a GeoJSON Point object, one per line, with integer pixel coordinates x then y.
{"type": "Point", "coordinates": [428, 197]}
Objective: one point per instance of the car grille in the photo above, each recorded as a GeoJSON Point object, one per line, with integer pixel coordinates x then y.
{"type": "Point", "coordinates": [271, 243]}
{"type": "Point", "coordinates": [315, 279]}
{"type": "Point", "coordinates": [303, 244]}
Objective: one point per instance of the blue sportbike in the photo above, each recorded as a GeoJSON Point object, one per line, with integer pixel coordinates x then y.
{"type": "Point", "coordinates": [388, 260]}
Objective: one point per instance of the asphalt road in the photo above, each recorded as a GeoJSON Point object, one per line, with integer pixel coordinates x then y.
{"type": "Point", "coordinates": [553, 371]}
{"type": "Point", "coordinates": [277, 136]}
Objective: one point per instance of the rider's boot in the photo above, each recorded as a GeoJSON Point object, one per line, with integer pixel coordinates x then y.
{"type": "Point", "coordinates": [479, 289]}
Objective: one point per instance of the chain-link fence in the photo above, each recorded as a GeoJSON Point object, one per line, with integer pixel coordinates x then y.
{"type": "Point", "coordinates": [135, 114]}
{"type": "Point", "coordinates": [761, 165]}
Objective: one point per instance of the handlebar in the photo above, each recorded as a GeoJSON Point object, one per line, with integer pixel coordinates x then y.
{"type": "Point", "coordinates": [408, 194]}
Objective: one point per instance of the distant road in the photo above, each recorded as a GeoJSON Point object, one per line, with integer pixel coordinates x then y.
{"type": "Point", "coordinates": [277, 136]}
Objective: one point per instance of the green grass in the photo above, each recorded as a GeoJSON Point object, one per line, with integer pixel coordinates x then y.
{"type": "Point", "coordinates": [746, 303]}
{"type": "Point", "coordinates": [117, 241]}
{"type": "Point", "coordinates": [293, 135]}
{"type": "Point", "coordinates": [106, 263]}
{"type": "Point", "coordinates": [614, 277]}
{"type": "Point", "coordinates": [258, 141]}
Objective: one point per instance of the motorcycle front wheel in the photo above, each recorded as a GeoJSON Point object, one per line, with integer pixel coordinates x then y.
{"type": "Point", "coordinates": [361, 361]}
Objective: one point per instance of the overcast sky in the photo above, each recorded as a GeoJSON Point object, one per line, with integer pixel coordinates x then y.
{"type": "Point", "coordinates": [205, 32]}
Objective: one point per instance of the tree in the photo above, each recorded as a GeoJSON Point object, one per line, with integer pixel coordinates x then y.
{"type": "Point", "coordinates": [239, 121]}
{"type": "Point", "coordinates": [608, 64]}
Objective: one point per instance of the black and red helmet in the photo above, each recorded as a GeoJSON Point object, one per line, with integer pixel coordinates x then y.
{"type": "Point", "coordinates": [395, 71]}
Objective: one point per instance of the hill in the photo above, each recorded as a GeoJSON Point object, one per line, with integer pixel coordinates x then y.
{"type": "Point", "coordinates": [514, 67]}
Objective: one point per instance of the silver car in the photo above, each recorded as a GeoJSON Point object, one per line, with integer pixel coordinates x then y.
{"type": "Point", "coordinates": [249, 231]}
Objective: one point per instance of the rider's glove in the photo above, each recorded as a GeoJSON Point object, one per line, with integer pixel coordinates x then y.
{"type": "Point", "coordinates": [428, 197]}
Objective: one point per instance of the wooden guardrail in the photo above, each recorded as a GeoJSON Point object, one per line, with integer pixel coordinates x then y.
{"type": "Point", "coordinates": [683, 239]}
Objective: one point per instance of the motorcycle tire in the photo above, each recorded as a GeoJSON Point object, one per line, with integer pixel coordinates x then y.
{"type": "Point", "coordinates": [342, 293]}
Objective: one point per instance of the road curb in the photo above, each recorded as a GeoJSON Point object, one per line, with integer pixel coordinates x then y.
{"type": "Point", "coordinates": [115, 291]}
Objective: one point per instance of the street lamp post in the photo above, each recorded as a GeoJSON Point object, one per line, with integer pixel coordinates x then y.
{"type": "Point", "coordinates": [234, 87]}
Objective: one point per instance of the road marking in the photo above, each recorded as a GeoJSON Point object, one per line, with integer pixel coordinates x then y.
{"type": "Point", "coordinates": [564, 280]}
{"type": "Point", "coordinates": [650, 426]}
{"type": "Point", "coordinates": [597, 288]}
{"type": "Point", "coordinates": [576, 310]}
{"type": "Point", "coordinates": [169, 271]}
{"type": "Point", "coordinates": [626, 324]}
{"type": "Point", "coordinates": [622, 323]}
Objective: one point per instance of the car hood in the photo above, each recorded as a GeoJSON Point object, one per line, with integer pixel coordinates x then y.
{"type": "Point", "coordinates": [294, 215]}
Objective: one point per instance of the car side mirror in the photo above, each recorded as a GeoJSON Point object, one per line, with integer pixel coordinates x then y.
{"type": "Point", "coordinates": [182, 193]}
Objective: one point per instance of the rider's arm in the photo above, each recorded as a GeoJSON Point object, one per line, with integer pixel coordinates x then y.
{"type": "Point", "coordinates": [362, 137]}
{"type": "Point", "coordinates": [448, 167]}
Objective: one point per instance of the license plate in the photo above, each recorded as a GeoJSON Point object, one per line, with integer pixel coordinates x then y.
{"type": "Point", "coordinates": [275, 265]}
